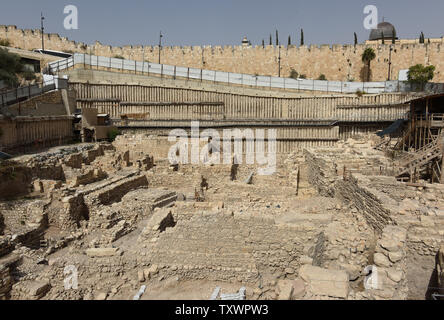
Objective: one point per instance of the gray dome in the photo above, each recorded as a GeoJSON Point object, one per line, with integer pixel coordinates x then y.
{"type": "Point", "coordinates": [384, 28]}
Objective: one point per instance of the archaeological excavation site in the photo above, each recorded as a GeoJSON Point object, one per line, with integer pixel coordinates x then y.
{"type": "Point", "coordinates": [120, 183]}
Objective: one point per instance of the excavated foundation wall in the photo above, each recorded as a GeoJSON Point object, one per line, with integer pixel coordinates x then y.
{"type": "Point", "coordinates": [6, 282]}
{"type": "Point", "coordinates": [366, 200]}
{"type": "Point", "coordinates": [216, 245]}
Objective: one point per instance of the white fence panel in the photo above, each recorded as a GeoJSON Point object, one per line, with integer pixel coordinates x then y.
{"type": "Point", "coordinates": [222, 76]}
{"type": "Point", "coordinates": [277, 82]}
{"type": "Point", "coordinates": [208, 75]}
{"type": "Point", "coordinates": [194, 73]}
{"type": "Point", "coordinates": [249, 80]}
{"type": "Point", "coordinates": [168, 70]}
{"type": "Point", "coordinates": [182, 72]}
{"type": "Point", "coordinates": [237, 78]}
{"type": "Point", "coordinates": [263, 81]}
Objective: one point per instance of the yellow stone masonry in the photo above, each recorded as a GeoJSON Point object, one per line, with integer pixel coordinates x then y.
{"type": "Point", "coordinates": [336, 62]}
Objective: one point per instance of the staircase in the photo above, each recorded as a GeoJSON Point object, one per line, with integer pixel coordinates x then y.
{"type": "Point", "coordinates": [415, 161]}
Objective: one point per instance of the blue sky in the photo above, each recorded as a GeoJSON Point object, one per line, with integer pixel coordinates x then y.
{"type": "Point", "coordinates": [223, 22]}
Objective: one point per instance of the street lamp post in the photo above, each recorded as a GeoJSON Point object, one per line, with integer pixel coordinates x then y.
{"type": "Point", "coordinates": [43, 29]}
{"type": "Point", "coordinates": [160, 44]}
{"type": "Point", "coordinates": [390, 63]}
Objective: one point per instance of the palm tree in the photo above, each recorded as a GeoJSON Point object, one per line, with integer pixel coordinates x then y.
{"type": "Point", "coordinates": [367, 57]}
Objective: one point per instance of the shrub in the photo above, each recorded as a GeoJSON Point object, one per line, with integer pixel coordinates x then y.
{"type": "Point", "coordinates": [360, 93]}
{"type": "Point", "coordinates": [322, 77]}
{"type": "Point", "coordinates": [29, 75]}
{"type": "Point", "coordinates": [294, 74]}
{"type": "Point", "coordinates": [5, 42]}
{"type": "Point", "coordinates": [10, 66]}
{"type": "Point", "coordinates": [303, 76]}
{"type": "Point", "coordinates": [119, 57]}
{"type": "Point", "coordinates": [420, 75]}
{"type": "Point", "coordinates": [112, 134]}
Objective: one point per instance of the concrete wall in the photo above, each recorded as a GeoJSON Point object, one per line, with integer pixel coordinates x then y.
{"type": "Point", "coordinates": [337, 62]}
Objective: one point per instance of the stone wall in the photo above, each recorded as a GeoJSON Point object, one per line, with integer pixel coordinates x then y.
{"type": "Point", "coordinates": [47, 104]}
{"type": "Point", "coordinates": [6, 282]}
{"type": "Point", "coordinates": [390, 259]}
{"type": "Point", "coordinates": [371, 203]}
{"type": "Point", "coordinates": [337, 62]}
{"type": "Point", "coordinates": [217, 245]}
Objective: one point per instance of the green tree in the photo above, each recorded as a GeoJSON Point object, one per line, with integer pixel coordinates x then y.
{"type": "Point", "coordinates": [277, 38]}
{"type": "Point", "coordinates": [421, 37]}
{"type": "Point", "coordinates": [289, 40]}
{"type": "Point", "coordinates": [10, 66]}
{"type": "Point", "coordinates": [302, 37]}
{"type": "Point", "coordinates": [263, 43]}
{"type": "Point", "coordinates": [294, 74]}
{"type": "Point", "coordinates": [322, 77]}
{"type": "Point", "coordinates": [356, 39]}
{"type": "Point", "coordinates": [271, 40]}
{"type": "Point", "coordinates": [419, 75]}
{"type": "Point", "coordinates": [394, 37]}
{"type": "Point", "coordinates": [367, 56]}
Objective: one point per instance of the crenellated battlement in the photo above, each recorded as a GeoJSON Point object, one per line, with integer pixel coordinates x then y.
{"type": "Point", "coordinates": [336, 61]}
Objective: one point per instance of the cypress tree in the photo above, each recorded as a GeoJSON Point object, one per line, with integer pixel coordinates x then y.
{"type": "Point", "coordinates": [302, 37]}
{"type": "Point", "coordinates": [289, 40]}
{"type": "Point", "coordinates": [263, 43]}
{"type": "Point", "coordinates": [277, 38]}
{"type": "Point", "coordinates": [271, 40]}
{"type": "Point", "coordinates": [356, 39]}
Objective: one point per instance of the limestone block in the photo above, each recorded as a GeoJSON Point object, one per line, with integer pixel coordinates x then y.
{"type": "Point", "coordinates": [298, 289]}
{"type": "Point", "coordinates": [324, 282]}
{"type": "Point", "coordinates": [381, 260]}
{"type": "Point", "coordinates": [395, 256]}
{"type": "Point", "coordinates": [38, 289]}
{"type": "Point", "coordinates": [395, 275]}
{"type": "Point", "coordinates": [285, 289]}
{"type": "Point", "coordinates": [102, 252]}
{"type": "Point", "coordinates": [101, 296]}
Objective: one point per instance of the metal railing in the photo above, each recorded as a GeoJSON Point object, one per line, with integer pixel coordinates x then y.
{"type": "Point", "coordinates": [148, 68]}
{"type": "Point", "coordinates": [430, 117]}
{"type": "Point", "coordinates": [13, 96]}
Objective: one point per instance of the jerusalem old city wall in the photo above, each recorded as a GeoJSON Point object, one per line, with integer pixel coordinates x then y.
{"type": "Point", "coordinates": [337, 62]}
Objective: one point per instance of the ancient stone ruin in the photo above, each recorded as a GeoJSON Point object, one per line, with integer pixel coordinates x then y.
{"type": "Point", "coordinates": [116, 218]}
